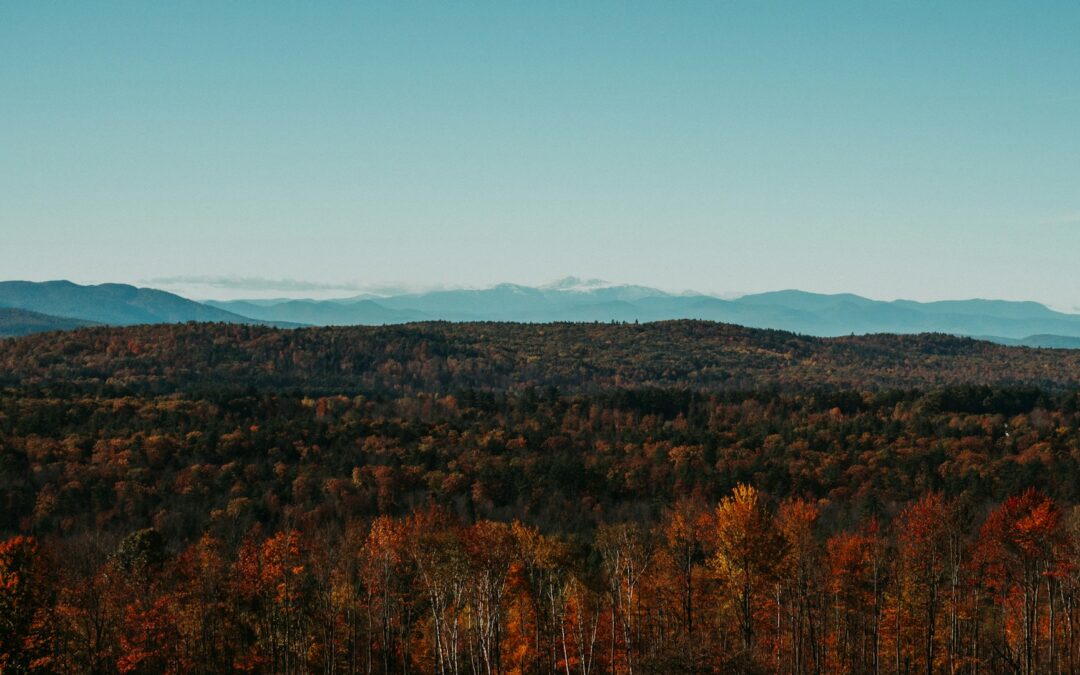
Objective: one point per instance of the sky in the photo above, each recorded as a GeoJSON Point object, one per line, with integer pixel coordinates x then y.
{"type": "Point", "coordinates": [892, 149]}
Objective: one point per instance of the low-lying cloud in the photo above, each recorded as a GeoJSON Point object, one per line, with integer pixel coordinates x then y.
{"type": "Point", "coordinates": [225, 287]}
{"type": "Point", "coordinates": [254, 283]}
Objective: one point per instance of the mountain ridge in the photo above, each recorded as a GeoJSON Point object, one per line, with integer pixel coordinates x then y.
{"type": "Point", "coordinates": [574, 299]}
{"type": "Point", "coordinates": [569, 299]}
{"type": "Point", "coordinates": [110, 303]}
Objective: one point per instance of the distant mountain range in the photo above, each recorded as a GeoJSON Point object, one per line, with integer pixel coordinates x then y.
{"type": "Point", "coordinates": [571, 299]}
{"type": "Point", "coordinates": [57, 303]}
{"type": "Point", "coordinates": [1043, 341]}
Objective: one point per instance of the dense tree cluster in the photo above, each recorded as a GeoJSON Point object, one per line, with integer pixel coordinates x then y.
{"type": "Point", "coordinates": [447, 357]}
{"type": "Point", "coordinates": [184, 462]}
{"type": "Point", "coordinates": [498, 498]}
{"type": "Point", "coordinates": [739, 586]}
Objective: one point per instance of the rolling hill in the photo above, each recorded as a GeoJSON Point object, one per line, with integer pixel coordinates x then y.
{"type": "Point", "coordinates": [328, 313]}
{"type": "Point", "coordinates": [18, 322]}
{"type": "Point", "coordinates": [115, 304]}
{"type": "Point", "coordinates": [450, 357]}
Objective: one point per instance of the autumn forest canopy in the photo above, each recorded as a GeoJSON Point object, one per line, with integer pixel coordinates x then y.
{"type": "Point", "coordinates": [670, 497]}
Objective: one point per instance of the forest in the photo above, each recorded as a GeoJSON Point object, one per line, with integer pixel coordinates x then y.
{"type": "Point", "coordinates": [675, 497]}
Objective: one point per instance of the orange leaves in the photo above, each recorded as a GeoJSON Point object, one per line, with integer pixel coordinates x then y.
{"type": "Point", "coordinates": [268, 569]}
{"type": "Point", "coordinates": [490, 546]}
{"type": "Point", "coordinates": [148, 639]}
{"type": "Point", "coordinates": [922, 529]}
{"type": "Point", "coordinates": [749, 550]}
{"type": "Point", "coordinates": [745, 538]}
{"type": "Point", "coordinates": [796, 520]}
{"type": "Point", "coordinates": [1021, 547]}
{"type": "Point", "coordinates": [731, 587]}
{"type": "Point", "coordinates": [852, 561]}
{"type": "Point", "coordinates": [281, 563]}
{"type": "Point", "coordinates": [1036, 523]}
{"type": "Point", "coordinates": [385, 541]}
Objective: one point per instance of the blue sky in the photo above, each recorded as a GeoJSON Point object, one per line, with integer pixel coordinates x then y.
{"type": "Point", "coordinates": [892, 149]}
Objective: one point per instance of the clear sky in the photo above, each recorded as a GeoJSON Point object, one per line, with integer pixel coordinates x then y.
{"type": "Point", "coordinates": [894, 149]}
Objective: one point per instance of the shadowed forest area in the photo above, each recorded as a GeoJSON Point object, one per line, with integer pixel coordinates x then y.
{"type": "Point", "coordinates": [675, 497]}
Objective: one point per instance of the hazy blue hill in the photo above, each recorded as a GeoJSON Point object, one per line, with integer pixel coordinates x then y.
{"type": "Point", "coordinates": [610, 310]}
{"type": "Point", "coordinates": [798, 311]}
{"type": "Point", "coordinates": [117, 304]}
{"type": "Point", "coordinates": [574, 299]}
{"type": "Point", "coordinates": [803, 300]}
{"type": "Point", "coordinates": [830, 315]}
{"type": "Point", "coordinates": [18, 322]}
{"type": "Point", "coordinates": [323, 313]}
{"type": "Point", "coordinates": [847, 316]}
{"type": "Point", "coordinates": [507, 302]}
{"type": "Point", "coordinates": [1004, 309]}
{"type": "Point", "coordinates": [570, 299]}
{"type": "Point", "coordinates": [1009, 328]}
{"type": "Point", "coordinates": [1051, 341]}
{"type": "Point", "coordinates": [255, 309]}
{"type": "Point", "coordinates": [1037, 341]}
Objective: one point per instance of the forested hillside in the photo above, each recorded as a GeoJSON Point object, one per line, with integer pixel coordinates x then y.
{"type": "Point", "coordinates": [501, 498]}
{"type": "Point", "coordinates": [448, 357]}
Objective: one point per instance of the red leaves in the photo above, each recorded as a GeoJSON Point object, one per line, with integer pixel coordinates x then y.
{"type": "Point", "coordinates": [148, 640]}
{"type": "Point", "coordinates": [21, 593]}
{"type": "Point", "coordinates": [1021, 532]}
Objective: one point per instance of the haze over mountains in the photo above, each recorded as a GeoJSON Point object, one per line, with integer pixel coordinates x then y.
{"type": "Point", "coordinates": [570, 299]}
{"type": "Point", "coordinates": [573, 299]}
